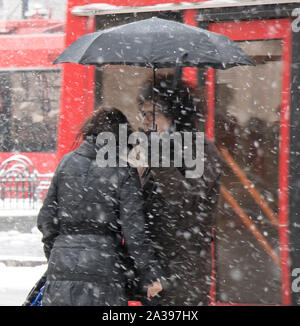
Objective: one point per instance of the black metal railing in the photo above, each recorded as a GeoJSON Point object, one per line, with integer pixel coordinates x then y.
{"type": "Point", "coordinates": [21, 186]}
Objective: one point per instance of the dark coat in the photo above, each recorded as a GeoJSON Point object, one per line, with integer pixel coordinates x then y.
{"type": "Point", "coordinates": [180, 217]}
{"type": "Point", "coordinates": [86, 213]}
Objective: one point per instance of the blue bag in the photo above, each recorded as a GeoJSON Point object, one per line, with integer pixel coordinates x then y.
{"type": "Point", "coordinates": [34, 298]}
{"type": "Point", "coordinates": [38, 299]}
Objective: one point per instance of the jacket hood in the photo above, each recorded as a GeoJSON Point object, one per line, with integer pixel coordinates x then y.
{"type": "Point", "coordinates": [88, 147]}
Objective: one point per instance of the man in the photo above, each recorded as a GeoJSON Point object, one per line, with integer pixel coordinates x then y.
{"type": "Point", "coordinates": [180, 210]}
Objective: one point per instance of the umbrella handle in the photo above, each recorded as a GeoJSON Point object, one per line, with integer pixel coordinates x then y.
{"type": "Point", "coordinates": [178, 70]}
{"type": "Point", "coordinates": [177, 75]}
{"type": "Point", "coordinates": [153, 112]}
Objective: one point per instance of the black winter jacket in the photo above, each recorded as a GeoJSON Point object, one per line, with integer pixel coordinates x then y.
{"type": "Point", "coordinates": [86, 213]}
{"type": "Point", "coordinates": [180, 216]}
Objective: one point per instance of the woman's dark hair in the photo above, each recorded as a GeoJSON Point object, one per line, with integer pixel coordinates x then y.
{"type": "Point", "coordinates": [181, 104]}
{"type": "Point", "coordinates": [105, 119]}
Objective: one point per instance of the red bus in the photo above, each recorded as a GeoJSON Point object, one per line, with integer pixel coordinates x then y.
{"type": "Point", "coordinates": [29, 108]}
{"type": "Point", "coordinates": [252, 115]}
{"type": "Point", "coordinates": [30, 89]}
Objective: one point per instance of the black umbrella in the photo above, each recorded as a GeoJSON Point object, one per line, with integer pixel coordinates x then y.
{"type": "Point", "coordinates": [156, 43]}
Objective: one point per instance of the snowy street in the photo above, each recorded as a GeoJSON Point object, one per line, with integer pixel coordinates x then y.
{"type": "Point", "coordinates": [16, 282]}
{"type": "Point", "coordinates": [22, 263]}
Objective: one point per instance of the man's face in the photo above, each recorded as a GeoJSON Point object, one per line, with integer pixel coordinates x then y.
{"type": "Point", "coordinates": [162, 122]}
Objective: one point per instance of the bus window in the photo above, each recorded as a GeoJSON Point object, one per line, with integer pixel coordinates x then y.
{"type": "Point", "coordinates": [29, 110]}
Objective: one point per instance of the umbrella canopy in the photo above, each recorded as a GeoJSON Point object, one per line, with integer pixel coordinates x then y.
{"type": "Point", "coordinates": [156, 43]}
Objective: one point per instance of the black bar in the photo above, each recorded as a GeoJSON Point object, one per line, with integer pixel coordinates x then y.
{"type": "Point", "coordinates": [274, 11]}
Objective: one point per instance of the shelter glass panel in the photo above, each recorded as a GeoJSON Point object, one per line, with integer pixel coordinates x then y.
{"type": "Point", "coordinates": [247, 125]}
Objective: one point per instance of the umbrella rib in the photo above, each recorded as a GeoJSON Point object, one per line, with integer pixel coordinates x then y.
{"type": "Point", "coordinates": [100, 33]}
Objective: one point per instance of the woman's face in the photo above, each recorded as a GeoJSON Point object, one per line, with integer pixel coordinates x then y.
{"type": "Point", "coordinates": [162, 122]}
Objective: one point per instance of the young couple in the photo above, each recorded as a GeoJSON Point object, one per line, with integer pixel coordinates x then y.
{"type": "Point", "coordinates": [103, 226]}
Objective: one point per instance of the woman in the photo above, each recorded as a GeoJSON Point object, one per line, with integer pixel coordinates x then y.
{"type": "Point", "coordinates": [87, 212]}
{"type": "Point", "coordinates": [180, 210]}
